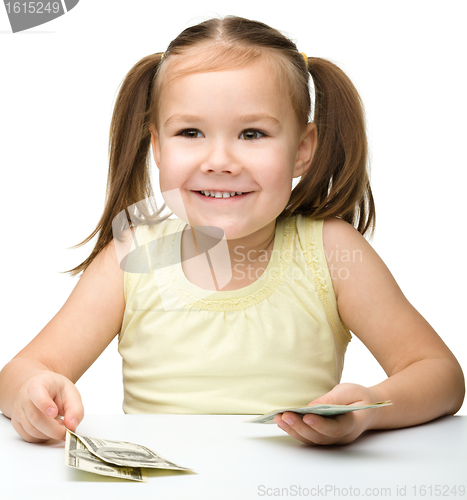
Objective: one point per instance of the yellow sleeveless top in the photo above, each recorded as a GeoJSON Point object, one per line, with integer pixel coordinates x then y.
{"type": "Point", "coordinates": [278, 342]}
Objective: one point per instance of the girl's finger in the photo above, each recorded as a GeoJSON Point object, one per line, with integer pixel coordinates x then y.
{"type": "Point", "coordinates": [40, 396]}
{"type": "Point", "coordinates": [41, 423]}
{"type": "Point", "coordinates": [73, 408]}
{"type": "Point", "coordinates": [333, 427]}
{"type": "Point", "coordinates": [23, 427]}
{"type": "Point", "coordinates": [22, 433]}
{"type": "Point", "coordinates": [68, 403]}
{"type": "Point", "coordinates": [303, 432]}
{"type": "Point", "coordinates": [293, 433]}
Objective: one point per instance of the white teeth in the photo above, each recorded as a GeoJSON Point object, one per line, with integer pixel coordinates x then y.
{"type": "Point", "coordinates": [219, 194]}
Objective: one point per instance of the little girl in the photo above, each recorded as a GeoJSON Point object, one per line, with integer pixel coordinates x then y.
{"type": "Point", "coordinates": [245, 301]}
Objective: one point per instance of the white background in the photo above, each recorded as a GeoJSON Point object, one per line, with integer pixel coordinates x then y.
{"type": "Point", "coordinates": [58, 83]}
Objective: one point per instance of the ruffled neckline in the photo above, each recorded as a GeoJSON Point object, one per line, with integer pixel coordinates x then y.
{"type": "Point", "coordinates": [244, 297]}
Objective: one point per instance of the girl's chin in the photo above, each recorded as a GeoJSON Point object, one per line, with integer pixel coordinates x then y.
{"type": "Point", "coordinates": [216, 231]}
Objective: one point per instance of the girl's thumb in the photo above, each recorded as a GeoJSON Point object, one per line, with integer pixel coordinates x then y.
{"type": "Point", "coordinates": [74, 411]}
{"type": "Point", "coordinates": [342, 394]}
{"type": "Point", "coordinates": [71, 423]}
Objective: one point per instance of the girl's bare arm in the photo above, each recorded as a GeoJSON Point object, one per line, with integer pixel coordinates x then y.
{"type": "Point", "coordinates": [425, 381]}
{"type": "Point", "coordinates": [42, 375]}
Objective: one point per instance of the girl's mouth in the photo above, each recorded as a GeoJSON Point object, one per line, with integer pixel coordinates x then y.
{"type": "Point", "coordinates": [220, 197]}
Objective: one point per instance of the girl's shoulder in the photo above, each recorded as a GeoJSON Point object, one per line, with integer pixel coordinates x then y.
{"type": "Point", "coordinates": [333, 232]}
{"type": "Point", "coordinates": [347, 252]}
{"type": "Point", "coordinates": [336, 230]}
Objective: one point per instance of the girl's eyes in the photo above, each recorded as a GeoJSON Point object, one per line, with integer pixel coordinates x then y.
{"type": "Point", "coordinates": [191, 133]}
{"type": "Point", "coordinates": [251, 134]}
{"type": "Point", "coordinates": [248, 135]}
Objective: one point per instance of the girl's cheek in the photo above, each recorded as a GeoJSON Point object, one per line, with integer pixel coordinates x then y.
{"type": "Point", "coordinates": [180, 157]}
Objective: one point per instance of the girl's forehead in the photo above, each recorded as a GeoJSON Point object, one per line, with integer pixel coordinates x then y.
{"type": "Point", "coordinates": [192, 62]}
{"type": "Point", "coordinates": [254, 85]}
{"type": "Point", "coordinates": [186, 65]}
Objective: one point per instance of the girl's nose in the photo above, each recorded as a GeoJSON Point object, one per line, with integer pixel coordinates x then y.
{"type": "Point", "coordinates": [220, 159]}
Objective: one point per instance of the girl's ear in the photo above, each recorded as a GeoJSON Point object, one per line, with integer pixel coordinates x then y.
{"type": "Point", "coordinates": [156, 147]}
{"type": "Point", "coordinates": [306, 149]}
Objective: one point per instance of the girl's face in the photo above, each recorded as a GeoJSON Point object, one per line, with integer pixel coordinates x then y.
{"type": "Point", "coordinates": [230, 131]}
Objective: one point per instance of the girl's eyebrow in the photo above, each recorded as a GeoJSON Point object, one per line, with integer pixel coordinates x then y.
{"type": "Point", "coordinates": [256, 117]}
{"type": "Point", "coordinates": [259, 117]}
{"type": "Point", "coordinates": [182, 118]}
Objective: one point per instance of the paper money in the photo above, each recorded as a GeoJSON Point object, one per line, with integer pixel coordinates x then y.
{"type": "Point", "coordinates": [113, 458]}
{"type": "Point", "coordinates": [318, 409]}
{"type": "Point", "coordinates": [78, 457]}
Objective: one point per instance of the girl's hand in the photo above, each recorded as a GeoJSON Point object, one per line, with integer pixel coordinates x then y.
{"type": "Point", "coordinates": [341, 429]}
{"type": "Point", "coordinates": [40, 403]}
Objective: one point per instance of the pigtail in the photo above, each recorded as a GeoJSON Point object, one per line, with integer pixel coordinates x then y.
{"type": "Point", "coordinates": [337, 182]}
{"type": "Point", "coordinates": [128, 180]}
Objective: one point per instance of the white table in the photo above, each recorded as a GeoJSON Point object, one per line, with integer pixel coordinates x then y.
{"type": "Point", "coordinates": [235, 460]}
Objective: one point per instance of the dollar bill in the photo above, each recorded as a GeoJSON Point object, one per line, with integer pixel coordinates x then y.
{"type": "Point", "coordinates": [318, 409]}
{"type": "Point", "coordinates": [79, 457]}
{"type": "Point", "coordinates": [113, 458]}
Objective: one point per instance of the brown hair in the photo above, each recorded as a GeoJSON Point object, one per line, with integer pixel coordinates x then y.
{"type": "Point", "coordinates": [337, 182]}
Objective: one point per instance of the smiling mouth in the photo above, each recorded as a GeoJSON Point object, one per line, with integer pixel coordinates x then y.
{"type": "Point", "coordinates": [221, 195]}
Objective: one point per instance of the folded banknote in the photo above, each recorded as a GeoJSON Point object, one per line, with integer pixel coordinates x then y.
{"type": "Point", "coordinates": [318, 409]}
{"type": "Point", "coordinates": [113, 458]}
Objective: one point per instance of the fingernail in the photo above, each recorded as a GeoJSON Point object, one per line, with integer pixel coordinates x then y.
{"type": "Point", "coordinates": [308, 420]}
{"type": "Point", "coordinates": [281, 425]}
{"type": "Point", "coordinates": [74, 423]}
{"type": "Point", "coordinates": [50, 411]}
{"type": "Point", "coordinates": [289, 420]}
